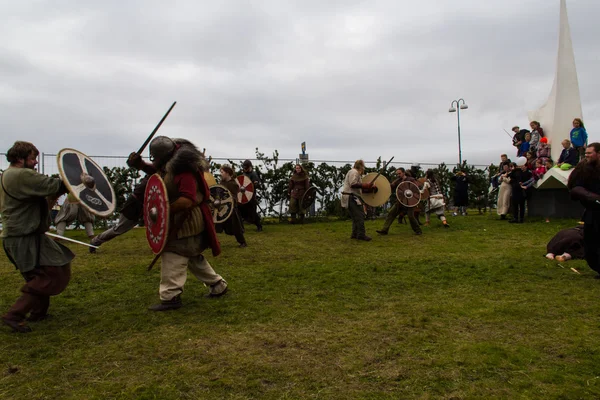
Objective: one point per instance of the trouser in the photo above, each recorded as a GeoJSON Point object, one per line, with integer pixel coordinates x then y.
{"type": "Point", "coordinates": [580, 153]}
{"type": "Point", "coordinates": [396, 209]}
{"type": "Point", "coordinates": [40, 284]}
{"type": "Point", "coordinates": [61, 226]}
{"type": "Point", "coordinates": [122, 226]}
{"type": "Point", "coordinates": [296, 206]}
{"type": "Point", "coordinates": [517, 203]}
{"type": "Point", "coordinates": [249, 212]}
{"type": "Point", "coordinates": [591, 245]}
{"type": "Point", "coordinates": [173, 274]}
{"type": "Point", "coordinates": [358, 218]}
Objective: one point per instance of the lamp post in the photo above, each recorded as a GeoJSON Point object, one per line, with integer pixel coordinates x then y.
{"type": "Point", "coordinates": [460, 105]}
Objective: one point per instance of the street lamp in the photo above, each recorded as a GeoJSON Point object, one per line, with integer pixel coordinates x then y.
{"type": "Point", "coordinates": [460, 105]}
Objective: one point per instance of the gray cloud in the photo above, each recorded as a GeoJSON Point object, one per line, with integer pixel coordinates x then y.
{"type": "Point", "coordinates": [352, 79]}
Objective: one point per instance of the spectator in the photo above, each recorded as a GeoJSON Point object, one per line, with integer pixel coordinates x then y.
{"type": "Point", "coordinates": [543, 150]}
{"type": "Point", "coordinates": [536, 134]}
{"type": "Point", "coordinates": [530, 160]}
{"type": "Point", "coordinates": [549, 163]}
{"type": "Point", "coordinates": [540, 169]}
{"type": "Point", "coordinates": [524, 148]}
{"type": "Point", "coordinates": [520, 179]}
{"type": "Point", "coordinates": [579, 138]}
{"type": "Point", "coordinates": [568, 157]}
{"type": "Point", "coordinates": [505, 191]}
{"type": "Point", "coordinates": [504, 160]}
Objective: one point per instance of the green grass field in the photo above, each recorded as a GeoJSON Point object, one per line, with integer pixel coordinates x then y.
{"type": "Point", "coordinates": [474, 311]}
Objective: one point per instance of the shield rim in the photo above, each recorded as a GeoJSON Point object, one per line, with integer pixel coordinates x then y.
{"type": "Point", "coordinates": [209, 178]}
{"type": "Point", "coordinates": [384, 191]}
{"type": "Point", "coordinates": [160, 181]}
{"type": "Point", "coordinates": [250, 184]}
{"type": "Point", "coordinates": [61, 173]}
{"type": "Point", "coordinates": [305, 206]}
{"type": "Point", "coordinates": [408, 183]}
{"type": "Point", "coordinates": [212, 208]}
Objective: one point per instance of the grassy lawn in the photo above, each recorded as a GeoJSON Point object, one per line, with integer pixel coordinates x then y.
{"type": "Point", "coordinates": [473, 311]}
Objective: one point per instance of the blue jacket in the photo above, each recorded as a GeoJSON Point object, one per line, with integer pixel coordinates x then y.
{"type": "Point", "coordinates": [579, 137]}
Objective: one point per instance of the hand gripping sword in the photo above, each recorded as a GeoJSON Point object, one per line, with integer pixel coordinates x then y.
{"type": "Point", "coordinates": [381, 170]}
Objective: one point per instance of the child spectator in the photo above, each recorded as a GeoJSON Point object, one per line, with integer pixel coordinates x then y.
{"type": "Point", "coordinates": [524, 148]}
{"type": "Point", "coordinates": [536, 134]}
{"type": "Point", "coordinates": [568, 157]}
{"type": "Point", "coordinates": [530, 160]}
{"type": "Point", "coordinates": [549, 164]}
{"type": "Point", "coordinates": [540, 169]}
{"type": "Point", "coordinates": [543, 150]}
{"type": "Point", "coordinates": [579, 138]}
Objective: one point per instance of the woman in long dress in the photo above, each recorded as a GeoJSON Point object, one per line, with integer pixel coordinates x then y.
{"type": "Point", "coordinates": [504, 192]}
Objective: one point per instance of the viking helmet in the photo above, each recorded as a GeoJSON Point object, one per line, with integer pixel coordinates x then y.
{"type": "Point", "coordinates": [161, 148]}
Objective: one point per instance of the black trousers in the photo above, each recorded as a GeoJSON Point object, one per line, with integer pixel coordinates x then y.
{"type": "Point", "coordinates": [517, 203]}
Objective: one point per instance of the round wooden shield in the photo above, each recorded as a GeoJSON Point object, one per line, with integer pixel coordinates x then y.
{"type": "Point", "coordinates": [156, 213]}
{"type": "Point", "coordinates": [246, 189]}
{"type": "Point", "coordinates": [308, 198]}
{"type": "Point", "coordinates": [87, 182]}
{"type": "Point", "coordinates": [221, 203]}
{"type": "Point", "coordinates": [408, 194]}
{"type": "Point", "coordinates": [210, 179]}
{"type": "Point", "coordinates": [384, 190]}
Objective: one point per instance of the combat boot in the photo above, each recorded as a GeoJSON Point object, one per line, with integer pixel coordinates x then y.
{"type": "Point", "coordinates": [166, 305]}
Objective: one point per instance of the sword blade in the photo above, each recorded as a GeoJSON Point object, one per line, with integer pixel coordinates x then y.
{"type": "Point", "coordinates": [71, 240]}
{"type": "Point", "coordinates": [155, 129]}
{"type": "Point", "coordinates": [382, 169]}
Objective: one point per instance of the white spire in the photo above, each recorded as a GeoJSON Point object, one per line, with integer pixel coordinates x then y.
{"type": "Point", "coordinates": [564, 103]}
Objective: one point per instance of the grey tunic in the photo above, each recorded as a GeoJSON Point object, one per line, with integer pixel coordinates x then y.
{"type": "Point", "coordinates": [25, 219]}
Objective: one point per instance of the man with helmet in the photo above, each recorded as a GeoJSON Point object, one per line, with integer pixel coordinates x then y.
{"type": "Point", "coordinates": [248, 210]}
{"type": "Point", "coordinates": [179, 163]}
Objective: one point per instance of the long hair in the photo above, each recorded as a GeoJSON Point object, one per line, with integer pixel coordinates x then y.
{"type": "Point", "coordinates": [580, 122]}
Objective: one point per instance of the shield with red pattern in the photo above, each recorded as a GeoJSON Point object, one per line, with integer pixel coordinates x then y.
{"type": "Point", "coordinates": [156, 213]}
{"type": "Point", "coordinates": [246, 189]}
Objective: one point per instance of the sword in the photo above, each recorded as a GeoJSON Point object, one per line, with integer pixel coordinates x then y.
{"type": "Point", "coordinates": [507, 133]}
{"type": "Point", "coordinates": [382, 168]}
{"type": "Point", "coordinates": [156, 129]}
{"type": "Point", "coordinates": [71, 240]}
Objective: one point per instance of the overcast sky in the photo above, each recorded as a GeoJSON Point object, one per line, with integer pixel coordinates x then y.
{"type": "Point", "coordinates": [354, 79]}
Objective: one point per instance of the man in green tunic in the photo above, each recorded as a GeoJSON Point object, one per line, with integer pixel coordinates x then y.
{"type": "Point", "coordinates": [25, 196]}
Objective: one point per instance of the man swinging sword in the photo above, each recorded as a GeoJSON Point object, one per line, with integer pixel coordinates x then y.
{"type": "Point", "coordinates": [179, 163]}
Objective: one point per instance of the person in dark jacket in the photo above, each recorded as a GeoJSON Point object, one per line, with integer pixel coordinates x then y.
{"type": "Point", "coordinates": [568, 156]}
{"type": "Point", "coordinates": [584, 184]}
{"type": "Point", "coordinates": [461, 192]}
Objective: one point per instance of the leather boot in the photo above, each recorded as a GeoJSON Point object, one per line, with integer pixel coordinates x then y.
{"type": "Point", "coordinates": [166, 305]}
